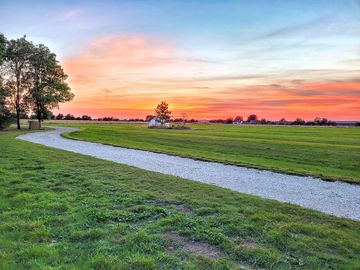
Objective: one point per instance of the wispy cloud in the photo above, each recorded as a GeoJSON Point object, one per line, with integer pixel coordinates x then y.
{"type": "Point", "coordinates": [71, 13]}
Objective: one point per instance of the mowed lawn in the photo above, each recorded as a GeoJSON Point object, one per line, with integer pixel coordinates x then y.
{"type": "Point", "coordinates": [326, 152]}
{"type": "Point", "coordinates": [60, 210]}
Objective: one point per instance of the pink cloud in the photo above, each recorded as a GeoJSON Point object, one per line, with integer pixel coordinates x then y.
{"type": "Point", "coordinates": [106, 57]}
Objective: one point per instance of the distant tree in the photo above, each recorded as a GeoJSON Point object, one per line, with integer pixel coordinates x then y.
{"type": "Point", "coordinates": [148, 118]}
{"type": "Point", "coordinates": [176, 120]}
{"type": "Point", "coordinates": [263, 121]}
{"type": "Point", "coordinates": [229, 120]}
{"type": "Point", "coordinates": [16, 66]}
{"type": "Point", "coordinates": [299, 121]}
{"type": "Point", "coordinates": [5, 113]}
{"type": "Point", "coordinates": [252, 117]}
{"type": "Point", "coordinates": [86, 117]}
{"type": "Point", "coordinates": [238, 118]}
{"type": "Point", "coordinates": [69, 117]}
{"type": "Point", "coordinates": [218, 121]}
{"type": "Point", "coordinates": [320, 121]}
{"type": "Point", "coordinates": [282, 121]}
{"type": "Point", "coordinates": [109, 118]}
{"type": "Point", "coordinates": [331, 123]}
{"type": "Point", "coordinates": [60, 116]}
{"type": "Point", "coordinates": [357, 124]}
{"type": "Point", "coordinates": [163, 113]}
{"type": "Point", "coordinates": [48, 86]}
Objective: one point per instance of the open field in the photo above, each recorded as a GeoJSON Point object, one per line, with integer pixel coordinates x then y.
{"type": "Point", "coordinates": [329, 153]}
{"type": "Point", "coordinates": [60, 210]}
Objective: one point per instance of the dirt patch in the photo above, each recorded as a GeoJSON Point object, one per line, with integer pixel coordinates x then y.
{"type": "Point", "coordinates": [249, 244]}
{"type": "Point", "coordinates": [179, 207]}
{"type": "Point", "coordinates": [183, 209]}
{"type": "Point", "coordinates": [196, 247]}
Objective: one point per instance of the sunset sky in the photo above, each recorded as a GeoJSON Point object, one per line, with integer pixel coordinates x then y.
{"type": "Point", "coordinates": [210, 59]}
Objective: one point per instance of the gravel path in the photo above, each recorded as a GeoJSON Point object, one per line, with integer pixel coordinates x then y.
{"type": "Point", "coordinates": [337, 198]}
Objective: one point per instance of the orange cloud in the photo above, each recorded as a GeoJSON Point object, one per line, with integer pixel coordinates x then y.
{"type": "Point", "coordinates": [119, 76]}
{"type": "Point", "coordinates": [269, 101]}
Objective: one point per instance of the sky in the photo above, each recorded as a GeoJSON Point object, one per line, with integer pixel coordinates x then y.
{"type": "Point", "coordinates": [209, 59]}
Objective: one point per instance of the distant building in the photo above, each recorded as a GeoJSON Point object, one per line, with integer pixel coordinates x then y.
{"type": "Point", "coordinates": [157, 122]}
{"type": "Point", "coordinates": [238, 122]}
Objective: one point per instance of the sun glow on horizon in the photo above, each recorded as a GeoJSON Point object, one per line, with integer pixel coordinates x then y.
{"type": "Point", "coordinates": [209, 60]}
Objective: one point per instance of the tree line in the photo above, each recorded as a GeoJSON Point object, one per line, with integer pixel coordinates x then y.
{"type": "Point", "coordinates": [254, 119]}
{"type": "Point", "coordinates": [31, 80]}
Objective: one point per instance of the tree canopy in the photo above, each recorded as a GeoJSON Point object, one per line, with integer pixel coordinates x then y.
{"type": "Point", "coordinates": [33, 78]}
{"type": "Point", "coordinates": [48, 87]}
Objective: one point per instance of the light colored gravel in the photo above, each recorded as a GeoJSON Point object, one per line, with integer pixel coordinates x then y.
{"type": "Point", "coordinates": [336, 198]}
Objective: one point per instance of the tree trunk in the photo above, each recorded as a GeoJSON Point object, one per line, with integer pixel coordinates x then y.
{"type": "Point", "coordinates": [18, 119]}
{"type": "Point", "coordinates": [38, 113]}
{"type": "Point", "coordinates": [17, 101]}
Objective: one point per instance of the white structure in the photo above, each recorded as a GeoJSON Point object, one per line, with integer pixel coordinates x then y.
{"type": "Point", "coordinates": [238, 122]}
{"type": "Point", "coordinates": [156, 122]}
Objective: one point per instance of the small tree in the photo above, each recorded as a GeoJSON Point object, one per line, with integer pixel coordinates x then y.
{"type": "Point", "coordinates": [86, 117]}
{"type": "Point", "coordinates": [299, 121]}
{"type": "Point", "coordinates": [252, 117]}
{"type": "Point", "coordinates": [229, 120]}
{"type": "Point", "coordinates": [69, 117]}
{"type": "Point", "coordinates": [263, 121]}
{"type": "Point", "coordinates": [238, 119]}
{"type": "Point", "coordinates": [148, 118]}
{"type": "Point", "coordinates": [282, 121]}
{"type": "Point", "coordinates": [60, 116]}
{"type": "Point", "coordinates": [163, 113]}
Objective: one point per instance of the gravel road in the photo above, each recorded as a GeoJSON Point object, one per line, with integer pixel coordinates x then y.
{"type": "Point", "coordinates": [336, 198]}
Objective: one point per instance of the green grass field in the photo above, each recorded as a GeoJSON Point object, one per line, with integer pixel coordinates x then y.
{"type": "Point", "coordinates": [60, 210]}
{"type": "Point", "coordinates": [329, 153]}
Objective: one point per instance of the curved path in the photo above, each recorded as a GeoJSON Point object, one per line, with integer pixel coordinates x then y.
{"type": "Point", "coordinates": [336, 198]}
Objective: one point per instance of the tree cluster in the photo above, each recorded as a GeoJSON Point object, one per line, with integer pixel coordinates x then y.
{"type": "Point", "coordinates": [31, 80]}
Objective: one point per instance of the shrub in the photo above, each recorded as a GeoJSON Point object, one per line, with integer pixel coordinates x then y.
{"type": "Point", "coordinates": [5, 120]}
{"type": "Point", "coordinates": [5, 114]}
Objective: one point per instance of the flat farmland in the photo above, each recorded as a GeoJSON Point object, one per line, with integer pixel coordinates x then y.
{"type": "Point", "coordinates": [326, 152]}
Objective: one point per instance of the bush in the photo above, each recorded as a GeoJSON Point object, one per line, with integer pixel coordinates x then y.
{"type": "Point", "coordinates": [5, 120]}
{"type": "Point", "coordinates": [5, 114]}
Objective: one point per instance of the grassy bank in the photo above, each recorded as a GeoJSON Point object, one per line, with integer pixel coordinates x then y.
{"type": "Point", "coordinates": [329, 153]}
{"type": "Point", "coordinates": [60, 210]}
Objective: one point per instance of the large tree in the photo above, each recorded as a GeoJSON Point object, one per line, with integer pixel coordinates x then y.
{"type": "Point", "coordinates": [15, 70]}
{"type": "Point", "coordinates": [163, 113]}
{"type": "Point", "coordinates": [5, 114]}
{"type": "Point", "coordinates": [48, 87]}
